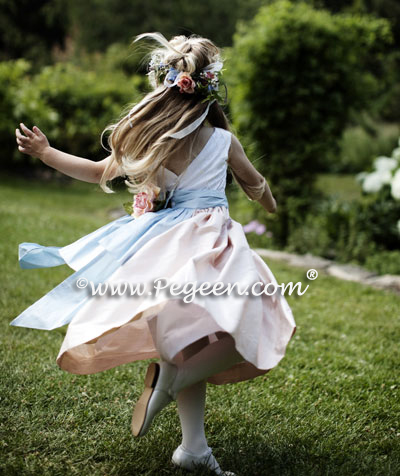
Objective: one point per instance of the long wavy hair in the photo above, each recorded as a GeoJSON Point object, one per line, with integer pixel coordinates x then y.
{"type": "Point", "coordinates": [141, 144]}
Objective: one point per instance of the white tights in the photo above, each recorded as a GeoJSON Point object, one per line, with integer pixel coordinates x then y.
{"type": "Point", "coordinates": [190, 383]}
{"type": "Point", "coordinates": [191, 402]}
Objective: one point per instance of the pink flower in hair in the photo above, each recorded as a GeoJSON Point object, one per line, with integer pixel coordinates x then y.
{"type": "Point", "coordinates": [186, 83]}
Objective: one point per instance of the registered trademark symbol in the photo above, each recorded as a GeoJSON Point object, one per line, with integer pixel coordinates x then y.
{"type": "Point", "coordinates": [312, 274]}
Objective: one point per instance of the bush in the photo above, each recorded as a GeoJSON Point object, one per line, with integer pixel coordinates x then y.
{"type": "Point", "coordinates": [353, 231]}
{"type": "Point", "coordinates": [386, 106]}
{"type": "Point", "coordinates": [366, 230]}
{"type": "Point", "coordinates": [117, 57]}
{"type": "Point", "coordinates": [380, 217]}
{"type": "Point", "coordinates": [295, 74]}
{"type": "Point", "coordinates": [384, 262]}
{"type": "Point", "coordinates": [12, 76]}
{"type": "Point", "coordinates": [381, 187]}
{"type": "Point", "coordinates": [358, 147]}
{"type": "Point", "coordinates": [70, 105]}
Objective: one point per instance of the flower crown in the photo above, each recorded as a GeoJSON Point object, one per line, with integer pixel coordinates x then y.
{"type": "Point", "coordinates": [204, 83]}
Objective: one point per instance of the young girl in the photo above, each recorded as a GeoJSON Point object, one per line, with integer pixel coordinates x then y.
{"type": "Point", "coordinates": [179, 230]}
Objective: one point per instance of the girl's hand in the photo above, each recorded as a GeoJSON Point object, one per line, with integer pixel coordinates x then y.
{"type": "Point", "coordinates": [33, 143]}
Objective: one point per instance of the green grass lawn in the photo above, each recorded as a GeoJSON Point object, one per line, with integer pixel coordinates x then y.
{"type": "Point", "coordinates": [331, 406]}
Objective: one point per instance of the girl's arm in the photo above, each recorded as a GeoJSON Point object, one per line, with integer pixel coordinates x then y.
{"type": "Point", "coordinates": [248, 177]}
{"type": "Point", "coordinates": [35, 143]}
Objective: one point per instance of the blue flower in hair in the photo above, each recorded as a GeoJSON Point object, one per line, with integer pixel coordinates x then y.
{"type": "Point", "coordinates": [171, 77]}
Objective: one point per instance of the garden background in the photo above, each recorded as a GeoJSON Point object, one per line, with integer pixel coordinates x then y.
{"type": "Point", "coordinates": [314, 95]}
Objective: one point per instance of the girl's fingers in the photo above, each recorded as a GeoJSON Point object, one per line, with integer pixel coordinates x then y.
{"type": "Point", "coordinates": [22, 140]}
{"type": "Point", "coordinates": [23, 144]}
{"type": "Point", "coordinates": [27, 131]}
{"type": "Point", "coordinates": [39, 132]}
{"type": "Point", "coordinates": [20, 136]}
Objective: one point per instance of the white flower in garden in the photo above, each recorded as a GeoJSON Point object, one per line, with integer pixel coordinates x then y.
{"type": "Point", "coordinates": [373, 182]}
{"type": "Point", "coordinates": [396, 185]}
{"type": "Point", "coordinates": [385, 163]}
{"type": "Point", "coordinates": [396, 153]}
{"type": "Point", "coordinates": [361, 176]}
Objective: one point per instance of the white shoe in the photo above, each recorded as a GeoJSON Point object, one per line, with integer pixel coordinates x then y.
{"type": "Point", "coordinates": [188, 460]}
{"type": "Point", "coordinates": [156, 395]}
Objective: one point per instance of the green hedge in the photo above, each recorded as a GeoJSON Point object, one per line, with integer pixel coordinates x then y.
{"type": "Point", "coordinates": [294, 74]}
{"type": "Point", "coordinates": [359, 146]}
{"type": "Point", "coordinates": [70, 105]}
{"type": "Point", "coordinates": [360, 231]}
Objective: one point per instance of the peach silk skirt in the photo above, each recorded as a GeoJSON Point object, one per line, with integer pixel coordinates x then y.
{"type": "Point", "coordinates": [207, 247]}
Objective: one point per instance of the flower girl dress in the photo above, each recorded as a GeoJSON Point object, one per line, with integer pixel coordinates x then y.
{"type": "Point", "coordinates": [195, 241]}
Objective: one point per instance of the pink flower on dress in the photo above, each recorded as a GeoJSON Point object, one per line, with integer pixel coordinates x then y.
{"type": "Point", "coordinates": [144, 201]}
{"type": "Point", "coordinates": [186, 83]}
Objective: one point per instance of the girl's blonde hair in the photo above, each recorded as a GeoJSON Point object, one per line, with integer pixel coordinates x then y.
{"type": "Point", "coordinates": [141, 143]}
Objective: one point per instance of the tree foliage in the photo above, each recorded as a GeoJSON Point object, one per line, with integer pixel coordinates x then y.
{"type": "Point", "coordinates": [71, 106]}
{"type": "Point", "coordinates": [31, 29]}
{"type": "Point", "coordinates": [98, 23]}
{"type": "Point", "coordinates": [295, 75]}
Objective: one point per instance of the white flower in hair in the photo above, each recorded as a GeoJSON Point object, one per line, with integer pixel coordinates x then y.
{"type": "Point", "coordinates": [213, 67]}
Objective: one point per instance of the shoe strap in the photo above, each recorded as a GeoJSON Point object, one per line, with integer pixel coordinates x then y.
{"type": "Point", "coordinates": [206, 453]}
